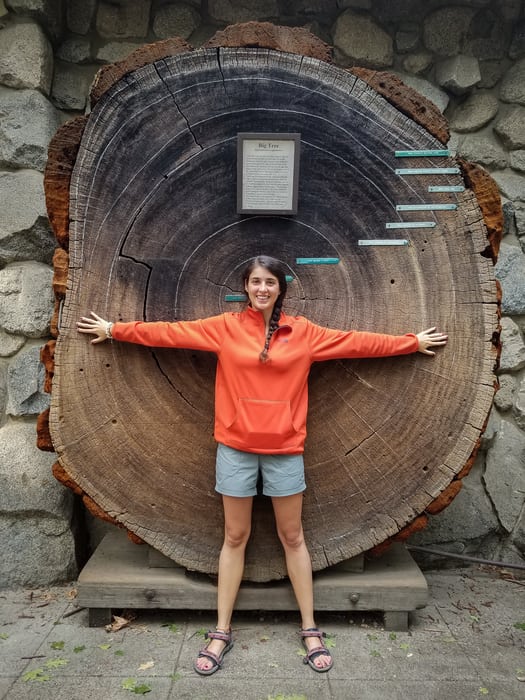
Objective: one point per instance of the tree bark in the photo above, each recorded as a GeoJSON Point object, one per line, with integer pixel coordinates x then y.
{"type": "Point", "coordinates": [154, 234]}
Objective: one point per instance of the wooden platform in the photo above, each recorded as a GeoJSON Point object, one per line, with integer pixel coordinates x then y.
{"type": "Point", "coordinates": [119, 575]}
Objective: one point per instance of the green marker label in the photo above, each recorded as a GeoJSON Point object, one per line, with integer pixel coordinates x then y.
{"type": "Point", "coordinates": [317, 261]}
{"type": "Point", "coordinates": [415, 154]}
{"type": "Point", "coordinates": [235, 297]}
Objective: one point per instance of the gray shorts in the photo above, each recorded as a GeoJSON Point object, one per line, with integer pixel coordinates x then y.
{"type": "Point", "coordinates": [237, 473]}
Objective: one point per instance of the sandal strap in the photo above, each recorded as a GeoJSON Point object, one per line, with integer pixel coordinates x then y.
{"type": "Point", "coordinates": [312, 632]}
{"type": "Point", "coordinates": [217, 634]}
{"type": "Point", "coordinates": [317, 651]}
{"type": "Point", "coordinates": [204, 653]}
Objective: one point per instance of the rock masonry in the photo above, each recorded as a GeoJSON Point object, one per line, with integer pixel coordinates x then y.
{"type": "Point", "coordinates": [468, 57]}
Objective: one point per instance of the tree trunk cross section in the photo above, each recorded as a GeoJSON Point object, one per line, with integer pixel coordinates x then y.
{"type": "Point", "coordinates": [154, 234]}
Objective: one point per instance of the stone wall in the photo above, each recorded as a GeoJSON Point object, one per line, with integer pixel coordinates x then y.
{"type": "Point", "coordinates": [466, 56]}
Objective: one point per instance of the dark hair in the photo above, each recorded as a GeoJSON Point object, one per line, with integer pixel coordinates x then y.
{"type": "Point", "coordinates": [275, 267]}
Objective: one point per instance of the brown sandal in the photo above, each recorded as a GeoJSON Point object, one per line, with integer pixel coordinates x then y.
{"type": "Point", "coordinates": [216, 659]}
{"type": "Point", "coordinates": [312, 654]}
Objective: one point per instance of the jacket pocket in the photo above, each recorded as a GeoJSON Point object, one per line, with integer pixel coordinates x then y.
{"type": "Point", "coordinates": [265, 424]}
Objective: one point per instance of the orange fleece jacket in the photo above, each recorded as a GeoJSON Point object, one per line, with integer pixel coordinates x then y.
{"type": "Point", "coordinates": [262, 407]}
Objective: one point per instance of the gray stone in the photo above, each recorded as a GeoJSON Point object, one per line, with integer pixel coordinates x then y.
{"type": "Point", "coordinates": [474, 113]}
{"type": "Point", "coordinates": [359, 40]}
{"type": "Point", "coordinates": [407, 39]}
{"type": "Point", "coordinates": [116, 51]}
{"type": "Point", "coordinates": [488, 36]}
{"type": "Point", "coordinates": [80, 14]}
{"type": "Point", "coordinates": [509, 218]}
{"type": "Point", "coordinates": [417, 62]}
{"type": "Point", "coordinates": [504, 397]}
{"type": "Point", "coordinates": [230, 11]}
{"type": "Point", "coordinates": [519, 218]}
{"type": "Point", "coordinates": [48, 13]}
{"type": "Point", "coordinates": [517, 160]}
{"type": "Point", "coordinates": [26, 299]}
{"type": "Point", "coordinates": [517, 44]}
{"type": "Point", "coordinates": [27, 123]}
{"type": "Point", "coordinates": [518, 535]}
{"type": "Point", "coordinates": [513, 84]}
{"type": "Point", "coordinates": [510, 9]}
{"type": "Point", "coordinates": [25, 471]}
{"type": "Point", "coordinates": [175, 20]}
{"type": "Point", "coordinates": [511, 184]}
{"type": "Point", "coordinates": [483, 150]}
{"type": "Point", "coordinates": [26, 58]}
{"type": "Point", "coordinates": [25, 233]}
{"type": "Point", "coordinates": [513, 349]}
{"type": "Point", "coordinates": [71, 85]}
{"type": "Point", "coordinates": [356, 4]}
{"type": "Point", "coordinates": [75, 50]}
{"type": "Point", "coordinates": [468, 517]}
{"type": "Point", "coordinates": [491, 73]}
{"type": "Point", "coordinates": [3, 390]}
{"type": "Point", "coordinates": [505, 474]}
{"type": "Point", "coordinates": [519, 406]}
{"type": "Point", "coordinates": [426, 88]}
{"type": "Point", "coordinates": [122, 19]}
{"type": "Point", "coordinates": [37, 551]}
{"type": "Point", "coordinates": [445, 30]}
{"type": "Point", "coordinates": [10, 344]}
{"type": "Point", "coordinates": [25, 385]}
{"type": "Point", "coordinates": [458, 74]}
{"type": "Point", "coordinates": [491, 429]}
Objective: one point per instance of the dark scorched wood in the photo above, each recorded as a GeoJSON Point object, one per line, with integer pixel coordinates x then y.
{"type": "Point", "coordinates": [154, 234]}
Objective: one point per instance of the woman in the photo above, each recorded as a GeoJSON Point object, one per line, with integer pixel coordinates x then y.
{"type": "Point", "coordinates": [264, 357]}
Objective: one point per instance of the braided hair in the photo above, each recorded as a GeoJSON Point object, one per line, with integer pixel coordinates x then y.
{"type": "Point", "coordinates": [275, 268]}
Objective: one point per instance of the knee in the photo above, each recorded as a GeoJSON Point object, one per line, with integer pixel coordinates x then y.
{"type": "Point", "coordinates": [292, 538]}
{"type": "Point", "coordinates": [236, 537]}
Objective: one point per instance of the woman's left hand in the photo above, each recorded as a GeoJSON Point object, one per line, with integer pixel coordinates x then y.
{"type": "Point", "coordinates": [430, 339]}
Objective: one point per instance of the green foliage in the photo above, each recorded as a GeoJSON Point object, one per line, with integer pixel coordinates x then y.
{"type": "Point", "coordinates": [119, 652]}
{"type": "Point", "coordinates": [78, 649]}
{"type": "Point", "coordinates": [172, 626]}
{"type": "Point", "coordinates": [36, 674]}
{"type": "Point", "coordinates": [4, 635]}
{"type": "Point", "coordinates": [131, 685]}
{"type": "Point", "coordinates": [58, 645]}
{"type": "Point", "coordinates": [56, 663]}
{"type": "Point", "coordinates": [520, 626]}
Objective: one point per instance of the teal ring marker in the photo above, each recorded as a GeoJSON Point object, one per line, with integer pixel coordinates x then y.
{"type": "Point", "coordinates": [410, 224]}
{"type": "Point", "coordinates": [317, 261]}
{"type": "Point", "coordinates": [235, 297]}
{"type": "Point", "coordinates": [379, 241]}
{"type": "Point", "coordinates": [446, 188]}
{"type": "Point", "coordinates": [427, 171]}
{"type": "Point", "coordinates": [289, 278]}
{"type": "Point", "coordinates": [426, 207]}
{"type": "Point", "coordinates": [410, 154]}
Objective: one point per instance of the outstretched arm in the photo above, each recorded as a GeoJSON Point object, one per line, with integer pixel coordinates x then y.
{"type": "Point", "coordinates": [430, 339]}
{"type": "Point", "coordinates": [95, 325]}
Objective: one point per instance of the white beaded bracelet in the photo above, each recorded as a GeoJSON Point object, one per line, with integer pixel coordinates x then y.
{"type": "Point", "coordinates": [109, 326]}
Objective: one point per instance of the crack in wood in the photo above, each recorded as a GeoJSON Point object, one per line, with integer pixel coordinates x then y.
{"type": "Point", "coordinates": [184, 117]}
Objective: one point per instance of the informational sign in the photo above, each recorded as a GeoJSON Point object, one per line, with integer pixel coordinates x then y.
{"type": "Point", "coordinates": [267, 173]}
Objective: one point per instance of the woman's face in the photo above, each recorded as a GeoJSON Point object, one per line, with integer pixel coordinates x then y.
{"type": "Point", "coordinates": [263, 289]}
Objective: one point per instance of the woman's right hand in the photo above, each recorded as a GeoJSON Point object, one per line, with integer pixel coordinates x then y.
{"type": "Point", "coordinates": [95, 325]}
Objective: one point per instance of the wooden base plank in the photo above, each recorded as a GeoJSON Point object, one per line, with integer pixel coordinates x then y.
{"type": "Point", "coordinates": [119, 575]}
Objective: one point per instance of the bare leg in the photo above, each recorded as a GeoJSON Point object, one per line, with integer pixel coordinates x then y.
{"type": "Point", "coordinates": [288, 511]}
{"type": "Point", "coordinates": [237, 526]}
